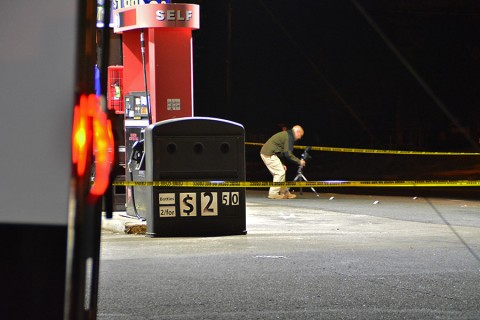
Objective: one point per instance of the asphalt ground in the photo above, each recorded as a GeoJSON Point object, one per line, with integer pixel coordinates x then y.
{"type": "Point", "coordinates": [336, 256]}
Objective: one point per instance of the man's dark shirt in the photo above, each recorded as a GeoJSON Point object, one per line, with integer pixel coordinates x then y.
{"type": "Point", "coordinates": [281, 144]}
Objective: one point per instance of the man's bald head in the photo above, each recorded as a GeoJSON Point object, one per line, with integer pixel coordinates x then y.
{"type": "Point", "coordinates": [297, 132]}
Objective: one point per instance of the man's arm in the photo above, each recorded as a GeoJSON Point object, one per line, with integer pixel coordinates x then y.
{"type": "Point", "coordinates": [288, 148]}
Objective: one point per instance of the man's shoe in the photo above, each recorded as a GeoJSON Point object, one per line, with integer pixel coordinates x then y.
{"type": "Point", "coordinates": [277, 196]}
{"type": "Point", "coordinates": [288, 195]}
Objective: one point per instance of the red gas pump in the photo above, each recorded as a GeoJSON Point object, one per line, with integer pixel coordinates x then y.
{"type": "Point", "coordinates": [166, 64]}
{"type": "Point", "coordinates": [157, 68]}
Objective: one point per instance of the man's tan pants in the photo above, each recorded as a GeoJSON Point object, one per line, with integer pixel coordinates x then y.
{"type": "Point", "coordinates": [277, 170]}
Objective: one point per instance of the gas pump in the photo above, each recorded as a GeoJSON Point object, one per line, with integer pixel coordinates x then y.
{"type": "Point", "coordinates": [136, 120]}
{"type": "Point", "coordinates": [157, 72]}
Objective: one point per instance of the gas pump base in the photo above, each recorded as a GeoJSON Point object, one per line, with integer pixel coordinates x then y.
{"type": "Point", "coordinates": [195, 149]}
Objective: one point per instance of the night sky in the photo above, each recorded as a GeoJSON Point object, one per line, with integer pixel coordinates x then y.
{"type": "Point", "coordinates": [354, 73]}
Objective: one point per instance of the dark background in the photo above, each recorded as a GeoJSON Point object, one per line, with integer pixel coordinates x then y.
{"type": "Point", "coordinates": [400, 75]}
{"type": "Point", "coordinates": [397, 74]}
{"type": "Point", "coordinates": [320, 63]}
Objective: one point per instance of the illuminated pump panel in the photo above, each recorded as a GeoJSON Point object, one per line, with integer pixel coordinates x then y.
{"type": "Point", "coordinates": [136, 106]}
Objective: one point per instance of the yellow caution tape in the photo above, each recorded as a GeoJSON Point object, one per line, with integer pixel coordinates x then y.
{"type": "Point", "coordinates": [377, 151]}
{"type": "Point", "coordinates": [305, 184]}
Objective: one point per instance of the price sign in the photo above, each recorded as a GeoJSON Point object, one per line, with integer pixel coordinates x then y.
{"type": "Point", "coordinates": [230, 198]}
{"type": "Point", "coordinates": [198, 204]}
{"type": "Point", "coordinates": [188, 204]}
{"type": "Point", "coordinates": [209, 204]}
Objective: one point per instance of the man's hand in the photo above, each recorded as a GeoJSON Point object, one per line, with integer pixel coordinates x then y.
{"type": "Point", "coordinates": [303, 163]}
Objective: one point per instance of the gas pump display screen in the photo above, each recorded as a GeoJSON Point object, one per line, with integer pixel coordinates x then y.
{"type": "Point", "coordinates": [136, 106]}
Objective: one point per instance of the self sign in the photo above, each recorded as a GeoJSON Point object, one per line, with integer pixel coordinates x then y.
{"type": "Point", "coordinates": [174, 15]}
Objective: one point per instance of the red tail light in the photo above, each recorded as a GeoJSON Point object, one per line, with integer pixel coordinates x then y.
{"type": "Point", "coordinates": [81, 136]}
{"type": "Point", "coordinates": [91, 128]}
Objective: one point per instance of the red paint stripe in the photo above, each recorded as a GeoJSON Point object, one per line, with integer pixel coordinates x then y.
{"type": "Point", "coordinates": [128, 18]}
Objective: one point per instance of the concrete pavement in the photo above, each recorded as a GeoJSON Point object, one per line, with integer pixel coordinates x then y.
{"type": "Point", "coordinates": [332, 257]}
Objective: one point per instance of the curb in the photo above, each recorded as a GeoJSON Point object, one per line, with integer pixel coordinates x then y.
{"type": "Point", "coordinates": [122, 223]}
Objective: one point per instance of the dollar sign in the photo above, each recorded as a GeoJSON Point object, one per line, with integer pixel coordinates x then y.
{"type": "Point", "coordinates": [188, 204]}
